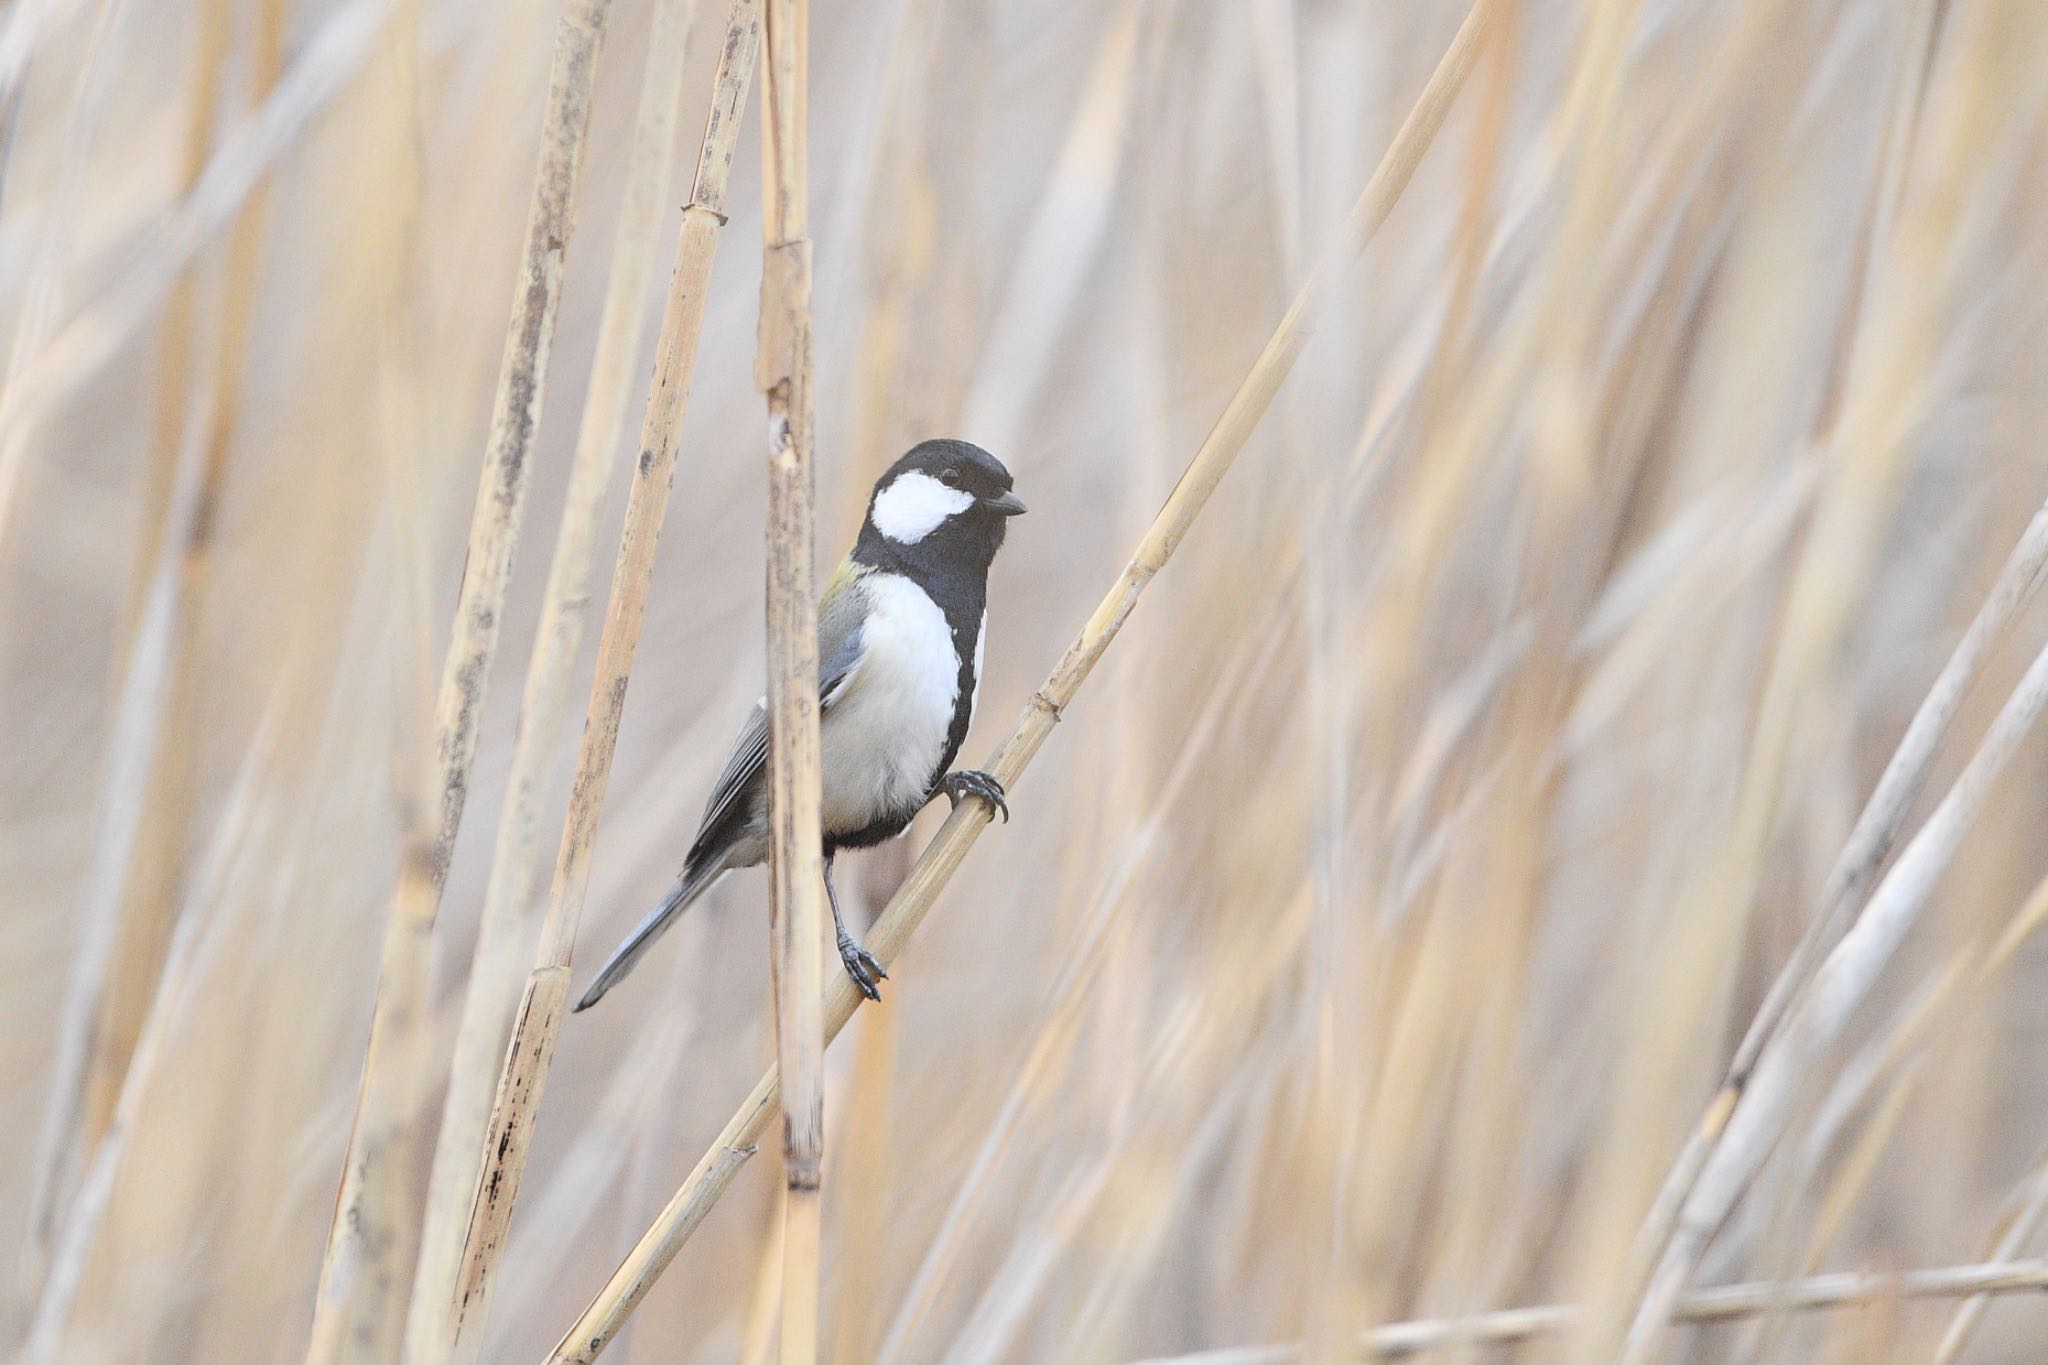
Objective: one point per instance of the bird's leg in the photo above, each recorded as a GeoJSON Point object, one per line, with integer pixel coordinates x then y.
{"type": "Point", "coordinates": [975, 782]}
{"type": "Point", "coordinates": [860, 963]}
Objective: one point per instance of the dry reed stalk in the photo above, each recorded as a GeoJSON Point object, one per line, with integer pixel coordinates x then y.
{"type": "Point", "coordinates": [506, 928]}
{"type": "Point", "coordinates": [764, 1296]}
{"type": "Point", "coordinates": [531, 1050]}
{"type": "Point", "coordinates": [150, 908]}
{"type": "Point", "coordinates": [126, 930]}
{"type": "Point", "coordinates": [1723, 1303]}
{"type": "Point", "coordinates": [365, 1276]}
{"type": "Point", "coordinates": [867, 1138]}
{"type": "Point", "coordinates": [1902, 1047]}
{"type": "Point", "coordinates": [1899, 1051]}
{"type": "Point", "coordinates": [1903, 1057]}
{"type": "Point", "coordinates": [1870, 841]}
{"type": "Point", "coordinates": [796, 863]}
{"type": "Point", "coordinates": [942, 857]}
{"type": "Point", "coordinates": [1822, 1009]}
{"type": "Point", "coordinates": [1875, 393]}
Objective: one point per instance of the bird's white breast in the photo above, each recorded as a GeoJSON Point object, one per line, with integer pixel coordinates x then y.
{"type": "Point", "coordinates": [886, 733]}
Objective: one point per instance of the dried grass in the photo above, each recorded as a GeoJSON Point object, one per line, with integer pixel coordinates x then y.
{"type": "Point", "coordinates": [1606, 681]}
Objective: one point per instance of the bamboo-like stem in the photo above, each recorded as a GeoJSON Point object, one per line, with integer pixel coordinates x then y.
{"type": "Point", "coordinates": [1723, 1303]}
{"type": "Point", "coordinates": [672, 1227]}
{"type": "Point", "coordinates": [365, 1276]}
{"type": "Point", "coordinates": [531, 1050]}
{"type": "Point", "coordinates": [505, 933]}
{"type": "Point", "coordinates": [797, 915]}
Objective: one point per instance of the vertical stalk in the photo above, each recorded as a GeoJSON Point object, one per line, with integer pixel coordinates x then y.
{"type": "Point", "coordinates": [504, 938]}
{"type": "Point", "coordinates": [796, 925]}
{"type": "Point", "coordinates": [532, 1047]}
{"type": "Point", "coordinates": [366, 1273]}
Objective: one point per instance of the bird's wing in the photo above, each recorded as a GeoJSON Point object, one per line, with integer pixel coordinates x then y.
{"type": "Point", "coordinates": [839, 618]}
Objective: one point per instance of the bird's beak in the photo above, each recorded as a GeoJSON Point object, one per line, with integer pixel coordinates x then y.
{"type": "Point", "coordinates": [1008, 505]}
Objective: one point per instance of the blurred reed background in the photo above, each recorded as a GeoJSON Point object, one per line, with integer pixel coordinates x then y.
{"type": "Point", "coordinates": [1385, 913]}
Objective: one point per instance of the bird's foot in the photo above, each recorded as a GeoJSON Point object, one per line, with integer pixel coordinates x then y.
{"type": "Point", "coordinates": [861, 966]}
{"type": "Point", "coordinates": [974, 782]}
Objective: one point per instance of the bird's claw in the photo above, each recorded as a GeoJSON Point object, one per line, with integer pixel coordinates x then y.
{"type": "Point", "coordinates": [862, 967]}
{"type": "Point", "coordinates": [974, 782]}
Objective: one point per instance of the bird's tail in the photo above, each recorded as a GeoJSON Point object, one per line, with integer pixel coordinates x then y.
{"type": "Point", "coordinates": [695, 881]}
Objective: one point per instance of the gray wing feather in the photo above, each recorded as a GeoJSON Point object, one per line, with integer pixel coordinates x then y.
{"type": "Point", "coordinates": [839, 622]}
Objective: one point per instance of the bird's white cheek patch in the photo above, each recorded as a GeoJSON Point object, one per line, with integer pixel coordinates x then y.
{"type": "Point", "coordinates": [914, 504]}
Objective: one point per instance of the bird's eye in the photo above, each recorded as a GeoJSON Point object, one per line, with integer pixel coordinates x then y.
{"type": "Point", "coordinates": [951, 478]}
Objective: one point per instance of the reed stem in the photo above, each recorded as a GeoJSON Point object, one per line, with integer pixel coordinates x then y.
{"type": "Point", "coordinates": [797, 917]}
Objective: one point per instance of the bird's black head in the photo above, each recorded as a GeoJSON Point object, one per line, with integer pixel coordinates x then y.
{"type": "Point", "coordinates": [944, 505]}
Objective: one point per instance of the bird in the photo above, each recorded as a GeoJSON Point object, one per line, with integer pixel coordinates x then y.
{"type": "Point", "coordinates": [901, 629]}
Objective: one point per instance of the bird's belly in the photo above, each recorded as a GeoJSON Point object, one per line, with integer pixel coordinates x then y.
{"type": "Point", "coordinates": [883, 739]}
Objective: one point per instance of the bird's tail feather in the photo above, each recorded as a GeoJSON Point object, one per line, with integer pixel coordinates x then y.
{"type": "Point", "coordinates": [695, 881]}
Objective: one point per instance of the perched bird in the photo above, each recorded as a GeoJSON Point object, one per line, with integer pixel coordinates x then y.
{"type": "Point", "coordinates": [900, 634]}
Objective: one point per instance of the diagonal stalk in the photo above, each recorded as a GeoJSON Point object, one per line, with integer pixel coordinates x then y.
{"type": "Point", "coordinates": [1822, 1009]}
{"type": "Point", "coordinates": [1869, 843]}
